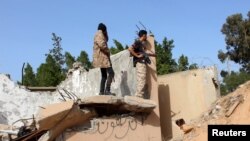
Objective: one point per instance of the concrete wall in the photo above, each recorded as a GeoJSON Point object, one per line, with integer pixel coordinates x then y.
{"type": "Point", "coordinates": [185, 95]}
{"type": "Point", "coordinates": [86, 84]}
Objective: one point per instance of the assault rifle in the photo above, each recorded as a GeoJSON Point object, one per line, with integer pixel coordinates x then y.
{"type": "Point", "coordinates": [145, 58]}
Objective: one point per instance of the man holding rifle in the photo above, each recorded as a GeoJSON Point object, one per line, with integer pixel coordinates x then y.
{"type": "Point", "coordinates": [141, 59]}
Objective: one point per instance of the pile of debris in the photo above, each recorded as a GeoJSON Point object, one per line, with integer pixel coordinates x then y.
{"type": "Point", "coordinates": [54, 119]}
{"type": "Point", "coordinates": [230, 109]}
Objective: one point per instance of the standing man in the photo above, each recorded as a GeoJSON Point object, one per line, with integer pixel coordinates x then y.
{"type": "Point", "coordinates": [140, 59]}
{"type": "Point", "coordinates": [101, 59]}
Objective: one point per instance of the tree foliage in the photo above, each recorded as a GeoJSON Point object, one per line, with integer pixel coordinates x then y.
{"type": "Point", "coordinates": [118, 47]}
{"type": "Point", "coordinates": [69, 60]}
{"type": "Point", "coordinates": [183, 63]}
{"type": "Point", "coordinates": [233, 80]}
{"type": "Point", "coordinates": [193, 66]}
{"type": "Point", "coordinates": [29, 78]}
{"type": "Point", "coordinates": [53, 71]}
{"type": "Point", "coordinates": [56, 52]}
{"type": "Point", "coordinates": [49, 73]}
{"type": "Point", "coordinates": [164, 61]}
{"type": "Point", "coordinates": [84, 59]}
{"type": "Point", "coordinates": [237, 38]}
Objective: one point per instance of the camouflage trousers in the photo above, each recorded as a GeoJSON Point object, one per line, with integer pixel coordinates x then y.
{"type": "Point", "coordinates": [141, 71]}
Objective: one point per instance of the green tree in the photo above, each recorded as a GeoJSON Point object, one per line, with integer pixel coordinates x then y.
{"type": "Point", "coordinates": [49, 73]}
{"type": "Point", "coordinates": [118, 47]}
{"type": "Point", "coordinates": [183, 63]}
{"type": "Point", "coordinates": [237, 38]}
{"type": "Point", "coordinates": [29, 78]}
{"type": "Point", "coordinates": [84, 59]}
{"type": "Point", "coordinates": [56, 52]}
{"type": "Point", "coordinates": [193, 66]}
{"type": "Point", "coordinates": [223, 73]}
{"type": "Point", "coordinates": [164, 61]}
{"type": "Point", "coordinates": [69, 60]}
{"type": "Point", "coordinates": [233, 80]}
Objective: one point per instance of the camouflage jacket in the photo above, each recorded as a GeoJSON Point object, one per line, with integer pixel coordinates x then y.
{"type": "Point", "coordinates": [100, 49]}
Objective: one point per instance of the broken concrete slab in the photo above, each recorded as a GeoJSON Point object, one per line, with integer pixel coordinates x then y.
{"type": "Point", "coordinates": [50, 115]}
{"type": "Point", "coordinates": [4, 137]}
{"type": "Point", "coordinates": [57, 117]}
{"type": "Point", "coordinates": [5, 127]}
{"type": "Point", "coordinates": [232, 108]}
{"type": "Point", "coordinates": [127, 103]}
{"type": "Point", "coordinates": [102, 99]}
{"type": "Point", "coordinates": [137, 104]}
{"type": "Point", "coordinates": [75, 117]}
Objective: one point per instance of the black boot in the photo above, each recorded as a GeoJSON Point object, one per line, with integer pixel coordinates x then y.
{"type": "Point", "coordinates": [109, 93]}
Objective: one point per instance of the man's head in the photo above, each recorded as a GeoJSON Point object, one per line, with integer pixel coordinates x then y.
{"type": "Point", "coordinates": [142, 35]}
{"type": "Point", "coordinates": [103, 28]}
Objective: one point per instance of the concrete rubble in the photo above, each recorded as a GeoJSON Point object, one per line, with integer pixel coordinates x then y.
{"type": "Point", "coordinates": [53, 119]}
{"type": "Point", "coordinates": [75, 98]}
{"type": "Point", "coordinates": [76, 66]}
{"type": "Point", "coordinates": [75, 116]}
{"type": "Point", "coordinates": [17, 102]}
{"type": "Point", "coordinates": [230, 109]}
{"type": "Point", "coordinates": [45, 116]}
{"type": "Point", "coordinates": [75, 111]}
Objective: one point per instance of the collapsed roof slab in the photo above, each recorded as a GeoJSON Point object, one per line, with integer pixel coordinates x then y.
{"type": "Point", "coordinates": [55, 118]}
{"type": "Point", "coordinates": [118, 104]}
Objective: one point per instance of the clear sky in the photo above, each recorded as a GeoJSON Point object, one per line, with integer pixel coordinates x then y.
{"type": "Point", "coordinates": [194, 25]}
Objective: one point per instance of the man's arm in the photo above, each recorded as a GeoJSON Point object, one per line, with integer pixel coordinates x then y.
{"type": "Point", "coordinates": [131, 50]}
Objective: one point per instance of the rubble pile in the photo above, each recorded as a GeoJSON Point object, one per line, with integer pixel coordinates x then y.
{"type": "Point", "coordinates": [76, 104]}
{"type": "Point", "coordinates": [17, 102]}
{"type": "Point", "coordinates": [19, 106]}
{"type": "Point", "coordinates": [230, 109]}
{"type": "Point", "coordinates": [52, 120]}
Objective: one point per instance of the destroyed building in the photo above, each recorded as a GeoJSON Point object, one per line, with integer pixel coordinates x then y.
{"type": "Point", "coordinates": [75, 111]}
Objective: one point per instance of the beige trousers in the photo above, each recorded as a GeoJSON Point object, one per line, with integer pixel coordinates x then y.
{"type": "Point", "coordinates": [141, 79]}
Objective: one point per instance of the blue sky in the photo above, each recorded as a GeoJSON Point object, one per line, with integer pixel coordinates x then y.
{"type": "Point", "coordinates": [194, 25]}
